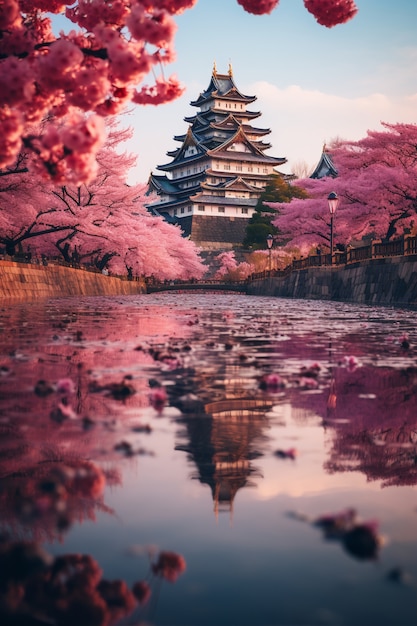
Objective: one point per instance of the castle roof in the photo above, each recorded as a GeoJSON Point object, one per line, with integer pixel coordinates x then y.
{"type": "Point", "coordinates": [235, 184]}
{"type": "Point", "coordinates": [222, 87]}
{"type": "Point", "coordinates": [325, 167]}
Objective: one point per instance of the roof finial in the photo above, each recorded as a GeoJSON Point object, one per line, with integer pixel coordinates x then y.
{"type": "Point", "coordinates": [230, 70]}
{"type": "Point", "coordinates": [214, 68]}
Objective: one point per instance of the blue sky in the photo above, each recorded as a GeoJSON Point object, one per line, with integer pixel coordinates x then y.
{"type": "Point", "coordinates": [312, 83]}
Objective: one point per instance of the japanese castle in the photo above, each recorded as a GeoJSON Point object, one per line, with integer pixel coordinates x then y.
{"type": "Point", "coordinates": [212, 184]}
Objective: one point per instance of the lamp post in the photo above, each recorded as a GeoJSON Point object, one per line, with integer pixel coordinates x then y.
{"type": "Point", "coordinates": [269, 242]}
{"type": "Point", "coordinates": [333, 201]}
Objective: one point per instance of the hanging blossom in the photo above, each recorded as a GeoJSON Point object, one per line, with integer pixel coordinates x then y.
{"type": "Point", "coordinates": [258, 7]}
{"type": "Point", "coordinates": [329, 13]}
{"type": "Point", "coordinates": [98, 68]}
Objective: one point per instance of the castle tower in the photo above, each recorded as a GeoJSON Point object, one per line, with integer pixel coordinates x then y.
{"type": "Point", "coordinates": [212, 184]}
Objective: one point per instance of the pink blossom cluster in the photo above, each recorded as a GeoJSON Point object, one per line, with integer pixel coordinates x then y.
{"type": "Point", "coordinates": [97, 69]}
{"type": "Point", "coordinates": [329, 13]}
{"type": "Point", "coordinates": [258, 7]}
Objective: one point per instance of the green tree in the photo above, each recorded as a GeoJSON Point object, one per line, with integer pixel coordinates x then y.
{"type": "Point", "coordinates": [260, 224]}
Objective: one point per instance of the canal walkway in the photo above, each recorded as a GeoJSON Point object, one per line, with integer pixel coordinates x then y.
{"type": "Point", "coordinates": [381, 273]}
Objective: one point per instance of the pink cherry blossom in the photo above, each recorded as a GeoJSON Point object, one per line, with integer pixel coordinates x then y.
{"type": "Point", "coordinates": [351, 362]}
{"type": "Point", "coordinates": [331, 12]}
{"type": "Point", "coordinates": [158, 398]}
{"type": "Point", "coordinates": [376, 184]}
{"type": "Point", "coordinates": [98, 68]}
{"type": "Point", "coordinates": [258, 7]}
{"type": "Point", "coordinates": [65, 385]}
{"type": "Point", "coordinates": [271, 383]}
{"type": "Point", "coordinates": [169, 566]}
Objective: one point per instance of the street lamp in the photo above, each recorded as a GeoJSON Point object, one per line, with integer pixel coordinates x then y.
{"type": "Point", "coordinates": [333, 201]}
{"type": "Point", "coordinates": [269, 242]}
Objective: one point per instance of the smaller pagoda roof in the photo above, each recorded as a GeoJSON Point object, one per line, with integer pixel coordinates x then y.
{"type": "Point", "coordinates": [236, 183]}
{"type": "Point", "coordinates": [218, 114]}
{"type": "Point", "coordinates": [190, 139]}
{"type": "Point", "coordinates": [202, 198]}
{"type": "Point", "coordinates": [255, 153]}
{"type": "Point", "coordinates": [325, 166]}
{"type": "Point", "coordinates": [165, 216]}
{"type": "Point", "coordinates": [162, 184]}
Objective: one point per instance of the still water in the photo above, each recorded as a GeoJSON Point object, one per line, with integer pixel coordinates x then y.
{"type": "Point", "coordinates": [235, 461]}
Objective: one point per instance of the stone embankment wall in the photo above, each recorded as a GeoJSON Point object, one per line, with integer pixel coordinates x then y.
{"type": "Point", "coordinates": [386, 281]}
{"type": "Point", "coordinates": [25, 281]}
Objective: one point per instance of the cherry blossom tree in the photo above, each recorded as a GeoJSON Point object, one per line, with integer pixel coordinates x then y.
{"type": "Point", "coordinates": [75, 79]}
{"type": "Point", "coordinates": [377, 187]}
{"type": "Point", "coordinates": [104, 223]}
{"type": "Point", "coordinates": [230, 269]}
{"type": "Point", "coordinates": [327, 12]}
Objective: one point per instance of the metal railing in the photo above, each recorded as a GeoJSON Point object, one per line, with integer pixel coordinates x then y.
{"type": "Point", "coordinates": [377, 249]}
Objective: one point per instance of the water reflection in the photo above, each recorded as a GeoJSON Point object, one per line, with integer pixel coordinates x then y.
{"type": "Point", "coordinates": [109, 407]}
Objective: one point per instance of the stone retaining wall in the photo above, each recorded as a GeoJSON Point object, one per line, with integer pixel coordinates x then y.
{"type": "Point", "coordinates": [24, 281]}
{"type": "Point", "coordinates": [389, 282]}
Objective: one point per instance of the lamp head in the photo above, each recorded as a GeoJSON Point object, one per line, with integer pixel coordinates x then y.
{"type": "Point", "coordinates": [333, 200]}
{"type": "Point", "coordinates": [269, 241]}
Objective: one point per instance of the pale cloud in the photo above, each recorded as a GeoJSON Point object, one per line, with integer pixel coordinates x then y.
{"type": "Point", "coordinates": [302, 120]}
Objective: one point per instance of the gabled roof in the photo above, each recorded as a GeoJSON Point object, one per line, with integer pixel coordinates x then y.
{"type": "Point", "coordinates": [236, 183]}
{"type": "Point", "coordinates": [206, 198]}
{"type": "Point", "coordinates": [189, 140]}
{"type": "Point", "coordinates": [163, 184]}
{"type": "Point", "coordinates": [325, 167]}
{"type": "Point", "coordinates": [254, 150]}
{"type": "Point", "coordinates": [238, 137]}
{"type": "Point", "coordinates": [222, 86]}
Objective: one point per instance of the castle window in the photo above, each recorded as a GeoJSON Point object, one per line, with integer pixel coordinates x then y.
{"type": "Point", "coordinates": [220, 209]}
{"type": "Point", "coordinates": [201, 208]}
{"type": "Point", "coordinates": [182, 209]}
{"type": "Point", "coordinates": [227, 166]}
{"type": "Point", "coordinates": [244, 211]}
{"type": "Point", "coordinates": [238, 168]}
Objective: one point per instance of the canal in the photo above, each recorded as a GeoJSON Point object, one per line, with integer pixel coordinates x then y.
{"type": "Point", "coordinates": [213, 459]}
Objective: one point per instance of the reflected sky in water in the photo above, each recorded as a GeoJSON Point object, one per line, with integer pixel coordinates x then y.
{"type": "Point", "coordinates": [270, 444]}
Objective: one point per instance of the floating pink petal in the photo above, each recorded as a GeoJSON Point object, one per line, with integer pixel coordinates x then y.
{"type": "Point", "coordinates": [271, 382]}
{"type": "Point", "coordinates": [158, 398]}
{"type": "Point", "coordinates": [65, 385]}
{"type": "Point", "coordinates": [351, 362]}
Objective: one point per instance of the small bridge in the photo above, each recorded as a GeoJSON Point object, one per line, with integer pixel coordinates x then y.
{"type": "Point", "coordinates": [201, 285]}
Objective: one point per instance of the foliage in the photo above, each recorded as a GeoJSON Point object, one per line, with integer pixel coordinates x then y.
{"type": "Point", "coordinates": [377, 187]}
{"type": "Point", "coordinates": [260, 225]}
{"type": "Point", "coordinates": [77, 78]}
{"type": "Point", "coordinates": [230, 269]}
